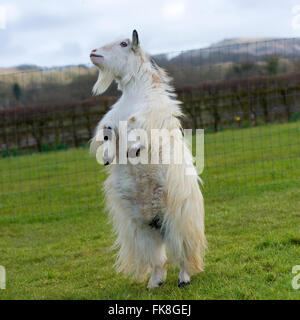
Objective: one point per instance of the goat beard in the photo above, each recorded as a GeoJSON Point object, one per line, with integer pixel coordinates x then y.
{"type": "Point", "coordinates": [105, 78]}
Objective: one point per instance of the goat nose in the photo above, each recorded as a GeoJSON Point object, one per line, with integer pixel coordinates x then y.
{"type": "Point", "coordinates": [94, 50]}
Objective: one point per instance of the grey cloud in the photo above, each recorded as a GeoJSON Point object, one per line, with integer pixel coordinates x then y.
{"type": "Point", "coordinates": [56, 33]}
{"type": "Point", "coordinates": [43, 21]}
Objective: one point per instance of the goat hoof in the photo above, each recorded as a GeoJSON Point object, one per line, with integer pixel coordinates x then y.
{"type": "Point", "coordinates": [154, 285]}
{"type": "Point", "coordinates": [106, 163]}
{"type": "Point", "coordinates": [182, 284]}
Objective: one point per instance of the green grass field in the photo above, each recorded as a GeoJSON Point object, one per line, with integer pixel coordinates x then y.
{"type": "Point", "coordinates": [55, 240]}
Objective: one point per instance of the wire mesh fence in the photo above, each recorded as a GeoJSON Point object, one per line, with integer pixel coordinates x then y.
{"type": "Point", "coordinates": [245, 96]}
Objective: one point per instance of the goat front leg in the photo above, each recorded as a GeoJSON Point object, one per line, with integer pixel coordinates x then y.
{"type": "Point", "coordinates": [109, 152]}
{"type": "Point", "coordinates": [109, 145]}
{"type": "Point", "coordinates": [134, 150]}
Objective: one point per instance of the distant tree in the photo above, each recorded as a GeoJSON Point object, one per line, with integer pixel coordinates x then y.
{"type": "Point", "coordinates": [17, 92]}
{"type": "Point", "coordinates": [296, 63]}
{"type": "Point", "coordinates": [272, 65]}
{"type": "Point", "coordinates": [26, 67]}
{"type": "Point", "coordinates": [243, 69]}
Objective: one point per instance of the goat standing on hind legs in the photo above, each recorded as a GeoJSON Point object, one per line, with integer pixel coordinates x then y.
{"type": "Point", "coordinates": [153, 207]}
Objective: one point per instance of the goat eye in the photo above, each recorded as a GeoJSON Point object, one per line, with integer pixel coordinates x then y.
{"type": "Point", "coordinates": [123, 44]}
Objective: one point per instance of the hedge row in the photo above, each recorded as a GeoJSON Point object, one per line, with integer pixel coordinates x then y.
{"type": "Point", "coordinates": [51, 124]}
{"type": "Point", "coordinates": [211, 105]}
{"type": "Point", "coordinates": [250, 100]}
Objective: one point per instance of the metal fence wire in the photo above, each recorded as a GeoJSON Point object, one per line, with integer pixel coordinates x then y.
{"type": "Point", "coordinates": [245, 96]}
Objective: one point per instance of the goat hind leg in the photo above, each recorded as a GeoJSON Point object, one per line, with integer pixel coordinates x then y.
{"type": "Point", "coordinates": [158, 276]}
{"type": "Point", "coordinates": [158, 263]}
{"type": "Point", "coordinates": [184, 278]}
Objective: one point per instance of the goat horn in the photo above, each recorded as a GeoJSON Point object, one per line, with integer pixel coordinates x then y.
{"type": "Point", "coordinates": [135, 39]}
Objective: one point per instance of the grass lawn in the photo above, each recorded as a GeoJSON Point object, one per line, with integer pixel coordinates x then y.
{"type": "Point", "coordinates": [55, 240]}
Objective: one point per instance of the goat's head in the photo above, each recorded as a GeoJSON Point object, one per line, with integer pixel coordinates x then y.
{"type": "Point", "coordinates": [118, 60]}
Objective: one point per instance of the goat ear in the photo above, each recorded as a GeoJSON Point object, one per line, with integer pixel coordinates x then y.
{"type": "Point", "coordinates": [135, 40]}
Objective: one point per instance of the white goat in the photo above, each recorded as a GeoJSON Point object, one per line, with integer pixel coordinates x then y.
{"type": "Point", "coordinates": [152, 206]}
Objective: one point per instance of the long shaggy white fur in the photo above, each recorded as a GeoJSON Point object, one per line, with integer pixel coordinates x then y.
{"type": "Point", "coordinates": [138, 194]}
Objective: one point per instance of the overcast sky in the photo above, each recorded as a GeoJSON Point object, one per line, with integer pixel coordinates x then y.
{"type": "Point", "coordinates": [53, 33]}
